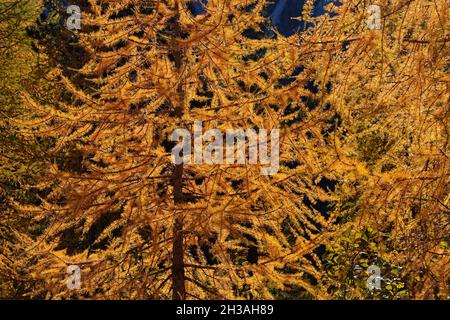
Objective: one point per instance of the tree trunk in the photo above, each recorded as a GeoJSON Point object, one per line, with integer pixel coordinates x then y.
{"type": "Point", "coordinates": [178, 279]}
{"type": "Point", "coordinates": [178, 287]}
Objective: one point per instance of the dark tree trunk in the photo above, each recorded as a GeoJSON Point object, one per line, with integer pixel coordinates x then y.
{"type": "Point", "coordinates": [178, 286]}
{"type": "Point", "coordinates": [178, 278]}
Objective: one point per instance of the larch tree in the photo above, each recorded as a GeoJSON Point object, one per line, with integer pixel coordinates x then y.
{"type": "Point", "coordinates": [362, 107]}
{"type": "Point", "coordinates": [140, 225]}
{"type": "Point", "coordinates": [21, 156]}
{"type": "Point", "coordinates": [390, 88]}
